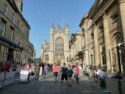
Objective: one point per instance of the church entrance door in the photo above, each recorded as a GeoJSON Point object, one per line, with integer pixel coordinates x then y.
{"type": "Point", "coordinates": [59, 62]}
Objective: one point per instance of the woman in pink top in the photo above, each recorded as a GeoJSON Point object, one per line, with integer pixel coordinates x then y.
{"type": "Point", "coordinates": [55, 71]}
{"type": "Point", "coordinates": [76, 73]}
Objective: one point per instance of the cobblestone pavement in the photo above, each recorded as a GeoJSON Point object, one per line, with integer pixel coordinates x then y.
{"type": "Point", "coordinates": [47, 86]}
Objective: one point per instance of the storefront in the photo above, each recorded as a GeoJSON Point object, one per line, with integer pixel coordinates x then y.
{"type": "Point", "coordinates": [9, 51]}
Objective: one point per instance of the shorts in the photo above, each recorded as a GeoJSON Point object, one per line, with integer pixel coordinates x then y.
{"type": "Point", "coordinates": [69, 75]}
{"type": "Point", "coordinates": [64, 76]}
{"type": "Point", "coordinates": [55, 74]}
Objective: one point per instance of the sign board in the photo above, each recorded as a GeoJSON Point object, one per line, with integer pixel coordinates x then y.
{"type": "Point", "coordinates": [24, 75]}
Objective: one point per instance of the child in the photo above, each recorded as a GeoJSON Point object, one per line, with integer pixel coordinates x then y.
{"type": "Point", "coordinates": [69, 72]}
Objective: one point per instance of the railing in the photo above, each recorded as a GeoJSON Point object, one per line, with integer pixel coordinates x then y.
{"type": "Point", "coordinates": [123, 86]}
{"type": "Point", "coordinates": [114, 86]}
{"type": "Point", "coordinates": [6, 78]}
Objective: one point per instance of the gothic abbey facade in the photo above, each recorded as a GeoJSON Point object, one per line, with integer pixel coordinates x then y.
{"type": "Point", "coordinates": [57, 50]}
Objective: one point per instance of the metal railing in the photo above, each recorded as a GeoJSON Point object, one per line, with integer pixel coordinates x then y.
{"type": "Point", "coordinates": [114, 86]}
{"type": "Point", "coordinates": [6, 78]}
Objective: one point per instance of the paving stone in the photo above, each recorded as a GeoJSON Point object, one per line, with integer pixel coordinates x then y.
{"type": "Point", "coordinates": [48, 86]}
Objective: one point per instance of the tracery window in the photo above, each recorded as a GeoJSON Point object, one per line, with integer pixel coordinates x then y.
{"type": "Point", "coordinates": [59, 47]}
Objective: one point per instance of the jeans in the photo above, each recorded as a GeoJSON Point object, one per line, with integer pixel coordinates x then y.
{"type": "Point", "coordinates": [76, 77]}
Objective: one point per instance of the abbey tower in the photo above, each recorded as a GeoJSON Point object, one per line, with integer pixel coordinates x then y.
{"type": "Point", "coordinates": [58, 48]}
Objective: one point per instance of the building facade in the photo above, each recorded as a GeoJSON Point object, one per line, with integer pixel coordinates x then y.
{"type": "Point", "coordinates": [75, 48]}
{"type": "Point", "coordinates": [58, 48]}
{"type": "Point", "coordinates": [87, 41]}
{"type": "Point", "coordinates": [108, 32]}
{"type": "Point", "coordinates": [14, 32]}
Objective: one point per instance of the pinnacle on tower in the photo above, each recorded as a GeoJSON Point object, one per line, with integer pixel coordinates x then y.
{"type": "Point", "coordinates": [67, 26]}
{"type": "Point", "coordinates": [58, 27]}
{"type": "Point", "coordinates": [52, 27]}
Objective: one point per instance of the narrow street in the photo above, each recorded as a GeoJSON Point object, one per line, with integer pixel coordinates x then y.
{"type": "Point", "coordinates": [47, 86]}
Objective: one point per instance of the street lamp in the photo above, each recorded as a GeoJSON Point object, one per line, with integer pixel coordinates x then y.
{"type": "Point", "coordinates": [120, 47]}
{"type": "Point", "coordinates": [92, 59]}
{"type": "Point", "coordinates": [67, 60]}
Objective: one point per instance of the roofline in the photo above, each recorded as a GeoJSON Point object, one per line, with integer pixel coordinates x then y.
{"type": "Point", "coordinates": [14, 6]}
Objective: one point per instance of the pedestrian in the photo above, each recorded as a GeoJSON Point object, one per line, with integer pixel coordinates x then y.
{"type": "Point", "coordinates": [64, 70]}
{"type": "Point", "coordinates": [55, 71]}
{"type": "Point", "coordinates": [76, 73]}
{"type": "Point", "coordinates": [6, 66]}
{"type": "Point", "coordinates": [80, 70]}
{"type": "Point", "coordinates": [102, 76]}
{"type": "Point", "coordinates": [118, 76]}
{"type": "Point", "coordinates": [37, 69]}
{"type": "Point", "coordinates": [45, 70]}
{"type": "Point", "coordinates": [70, 72]}
{"type": "Point", "coordinates": [32, 70]}
{"type": "Point", "coordinates": [27, 66]}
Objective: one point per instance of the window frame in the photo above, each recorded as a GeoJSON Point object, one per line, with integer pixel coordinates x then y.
{"type": "Point", "coordinates": [13, 17]}
{"type": "Point", "coordinates": [59, 47]}
{"type": "Point", "coordinates": [2, 30]}
{"type": "Point", "coordinates": [5, 9]}
{"type": "Point", "coordinates": [11, 33]}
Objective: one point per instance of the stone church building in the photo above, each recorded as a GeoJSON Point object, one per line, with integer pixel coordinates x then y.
{"type": "Point", "coordinates": [57, 50]}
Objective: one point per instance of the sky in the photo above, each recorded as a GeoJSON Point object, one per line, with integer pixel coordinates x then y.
{"type": "Point", "coordinates": [41, 14]}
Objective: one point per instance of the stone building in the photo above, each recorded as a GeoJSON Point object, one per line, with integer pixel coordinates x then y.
{"type": "Point", "coordinates": [58, 48]}
{"type": "Point", "coordinates": [14, 32]}
{"type": "Point", "coordinates": [108, 32]}
{"type": "Point", "coordinates": [75, 48]}
{"type": "Point", "coordinates": [87, 41]}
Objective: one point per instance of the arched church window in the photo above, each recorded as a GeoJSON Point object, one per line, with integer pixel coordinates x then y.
{"type": "Point", "coordinates": [47, 57]}
{"type": "Point", "coordinates": [59, 47]}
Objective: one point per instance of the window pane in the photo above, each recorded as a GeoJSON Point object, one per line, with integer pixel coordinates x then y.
{"type": "Point", "coordinates": [59, 47]}
{"type": "Point", "coordinates": [2, 26]}
{"type": "Point", "coordinates": [4, 10]}
{"type": "Point", "coordinates": [11, 33]}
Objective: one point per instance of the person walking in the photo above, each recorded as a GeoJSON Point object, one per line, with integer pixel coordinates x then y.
{"type": "Point", "coordinates": [76, 73]}
{"type": "Point", "coordinates": [37, 69]}
{"type": "Point", "coordinates": [102, 76]}
{"type": "Point", "coordinates": [45, 70]}
{"type": "Point", "coordinates": [70, 72]}
{"type": "Point", "coordinates": [55, 71]}
{"type": "Point", "coordinates": [64, 70]}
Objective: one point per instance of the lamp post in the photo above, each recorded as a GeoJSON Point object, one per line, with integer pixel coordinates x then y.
{"type": "Point", "coordinates": [92, 59]}
{"type": "Point", "coordinates": [119, 52]}
{"type": "Point", "coordinates": [67, 60]}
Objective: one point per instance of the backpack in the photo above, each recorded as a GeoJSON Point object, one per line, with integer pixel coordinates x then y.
{"type": "Point", "coordinates": [70, 72]}
{"type": "Point", "coordinates": [64, 70]}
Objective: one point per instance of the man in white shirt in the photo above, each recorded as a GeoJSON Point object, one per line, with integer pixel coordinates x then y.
{"type": "Point", "coordinates": [102, 76]}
